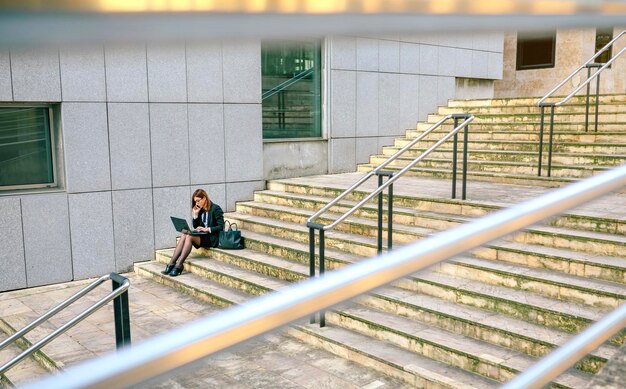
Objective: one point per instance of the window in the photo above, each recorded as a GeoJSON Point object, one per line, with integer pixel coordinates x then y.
{"type": "Point", "coordinates": [291, 85]}
{"type": "Point", "coordinates": [535, 50]}
{"type": "Point", "coordinates": [26, 154]}
{"type": "Point", "coordinates": [603, 36]}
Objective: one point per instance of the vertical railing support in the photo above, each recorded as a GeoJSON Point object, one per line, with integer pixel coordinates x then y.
{"type": "Point", "coordinates": [550, 140]}
{"type": "Point", "coordinates": [379, 240]}
{"type": "Point", "coordinates": [587, 100]}
{"type": "Point", "coordinates": [465, 152]}
{"type": "Point", "coordinates": [597, 101]}
{"type": "Point", "coordinates": [380, 175]}
{"type": "Point", "coordinates": [320, 227]}
{"type": "Point", "coordinates": [454, 151]}
{"type": "Point", "coordinates": [543, 108]}
{"type": "Point", "coordinates": [121, 313]}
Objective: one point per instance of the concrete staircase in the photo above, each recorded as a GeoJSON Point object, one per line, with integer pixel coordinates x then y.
{"type": "Point", "coordinates": [472, 322]}
{"type": "Point", "coordinates": [503, 141]}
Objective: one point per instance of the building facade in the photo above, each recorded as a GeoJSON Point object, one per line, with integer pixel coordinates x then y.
{"type": "Point", "coordinates": [121, 135]}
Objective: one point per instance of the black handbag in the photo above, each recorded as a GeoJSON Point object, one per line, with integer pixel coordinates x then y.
{"type": "Point", "coordinates": [230, 239]}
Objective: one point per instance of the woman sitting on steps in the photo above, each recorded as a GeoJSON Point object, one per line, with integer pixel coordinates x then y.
{"type": "Point", "coordinates": [207, 217]}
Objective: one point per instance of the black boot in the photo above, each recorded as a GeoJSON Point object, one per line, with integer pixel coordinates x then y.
{"type": "Point", "coordinates": [168, 269]}
{"type": "Point", "coordinates": [177, 271]}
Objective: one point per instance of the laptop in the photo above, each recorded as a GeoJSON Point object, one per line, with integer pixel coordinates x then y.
{"type": "Point", "coordinates": [182, 226]}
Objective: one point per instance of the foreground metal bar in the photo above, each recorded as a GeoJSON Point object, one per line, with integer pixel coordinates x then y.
{"type": "Point", "coordinates": [191, 342]}
{"type": "Point", "coordinates": [565, 356]}
{"type": "Point", "coordinates": [61, 330]}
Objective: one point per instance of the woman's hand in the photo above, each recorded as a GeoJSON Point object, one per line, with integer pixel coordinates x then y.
{"type": "Point", "coordinates": [203, 229]}
{"type": "Point", "coordinates": [195, 210]}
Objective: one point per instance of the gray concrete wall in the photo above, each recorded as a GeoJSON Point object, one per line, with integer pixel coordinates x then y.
{"type": "Point", "coordinates": [381, 86]}
{"type": "Point", "coordinates": [140, 127]}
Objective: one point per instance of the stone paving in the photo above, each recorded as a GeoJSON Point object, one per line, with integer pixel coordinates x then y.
{"type": "Point", "coordinates": [274, 360]}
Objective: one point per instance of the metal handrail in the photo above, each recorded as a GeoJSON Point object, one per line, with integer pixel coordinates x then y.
{"type": "Point", "coordinates": [393, 177]}
{"type": "Point", "coordinates": [122, 329]}
{"type": "Point", "coordinates": [286, 84]}
{"type": "Point", "coordinates": [589, 61]}
{"type": "Point", "coordinates": [378, 169]}
{"type": "Point", "coordinates": [542, 104]}
{"type": "Point", "coordinates": [208, 335]}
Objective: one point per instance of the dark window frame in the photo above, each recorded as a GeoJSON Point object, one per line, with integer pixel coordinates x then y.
{"type": "Point", "coordinates": [525, 42]}
{"type": "Point", "coordinates": [53, 136]}
{"type": "Point", "coordinates": [608, 53]}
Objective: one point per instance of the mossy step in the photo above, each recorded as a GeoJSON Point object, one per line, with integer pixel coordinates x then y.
{"type": "Point", "coordinates": [561, 136]}
{"type": "Point", "coordinates": [536, 117]}
{"type": "Point", "coordinates": [595, 242]}
{"type": "Point", "coordinates": [47, 359]}
{"type": "Point", "coordinates": [590, 292]}
{"type": "Point", "coordinates": [228, 275]}
{"type": "Point", "coordinates": [513, 155]}
{"type": "Point", "coordinates": [436, 212]}
{"type": "Point", "coordinates": [527, 126]}
{"type": "Point", "coordinates": [525, 109]}
{"type": "Point", "coordinates": [502, 330]}
{"type": "Point", "coordinates": [570, 288]}
{"type": "Point", "coordinates": [563, 315]}
{"type": "Point", "coordinates": [342, 342]}
{"type": "Point", "coordinates": [392, 298]}
{"type": "Point", "coordinates": [482, 358]}
{"type": "Point", "coordinates": [193, 285]}
{"type": "Point", "coordinates": [27, 370]}
{"type": "Point", "coordinates": [542, 310]}
{"type": "Point", "coordinates": [259, 284]}
{"type": "Point", "coordinates": [524, 101]}
{"type": "Point", "coordinates": [494, 177]}
{"type": "Point", "coordinates": [511, 167]}
{"type": "Point", "coordinates": [414, 369]}
{"type": "Point", "coordinates": [530, 146]}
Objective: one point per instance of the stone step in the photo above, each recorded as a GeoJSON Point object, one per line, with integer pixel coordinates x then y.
{"type": "Point", "coordinates": [433, 213]}
{"type": "Point", "coordinates": [564, 315]}
{"type": "Point", "coordinates": [559, 116]}
{"type": "Point", "coordinates": [27, 370]}
{"type": "Point", "coordinates": [532, 136]}
{"type": "Point", "coordinates": [512, 155]}
{"type": "Point", "coordinates": [525, 109]}
{"type": "Point", "coordinates": [595, 242]}
{"type": "Point", "coordinates": [488, 360]}
{"type": "Point", "coordinates": [438, 344]}
{"type": "Point", "coordinates": [570, 288]}
{"type": "Point", "coordinates": [515, 334]}
{"type": "Point", "coordinates": [384, 357]}
{"type": "Point", "coordinates": [509, 167]}
{"type": "Point", "coordinates": [531, 101]}
{"type": "Point", "coordinates": [494, 177]}
{"type": "Point", "coordinates": [529, 146]}
{"type": "Point", "coordinates": [532, 127]}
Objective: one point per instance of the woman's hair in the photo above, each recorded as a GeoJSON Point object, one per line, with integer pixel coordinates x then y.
{"type": "Point", "coordinates": [202, 194]}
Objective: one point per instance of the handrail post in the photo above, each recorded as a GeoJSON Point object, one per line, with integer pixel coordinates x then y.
{"type": "Point", "coordinates": [465, 152]}
{"type": "Point", "coordinates": [322, 271]}
{"type": "Point", "coordinates": [550, 140]}
{"type": "Point", "coordinates": [320, 227]}
{"type": "Point", "coordinates": [389, 174]}
{"type": "Point", "coordinates": [454, 151]}
{"type": "Point", "coordinates": [543, 107]}
{"type": "Point", "coordinates": [587, 100]}
{"type": "Point", "coordinates": [597, 100]}
{"type": "Point", "coordinates": [121, 313]}
{"type": "Point", "coordinates": [312, 260]}
{"type": "Point", "coordinates": [379, 247]}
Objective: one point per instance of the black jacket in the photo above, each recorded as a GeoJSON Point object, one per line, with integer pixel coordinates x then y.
{"type": "Point", "coordinates": [213, 219]}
